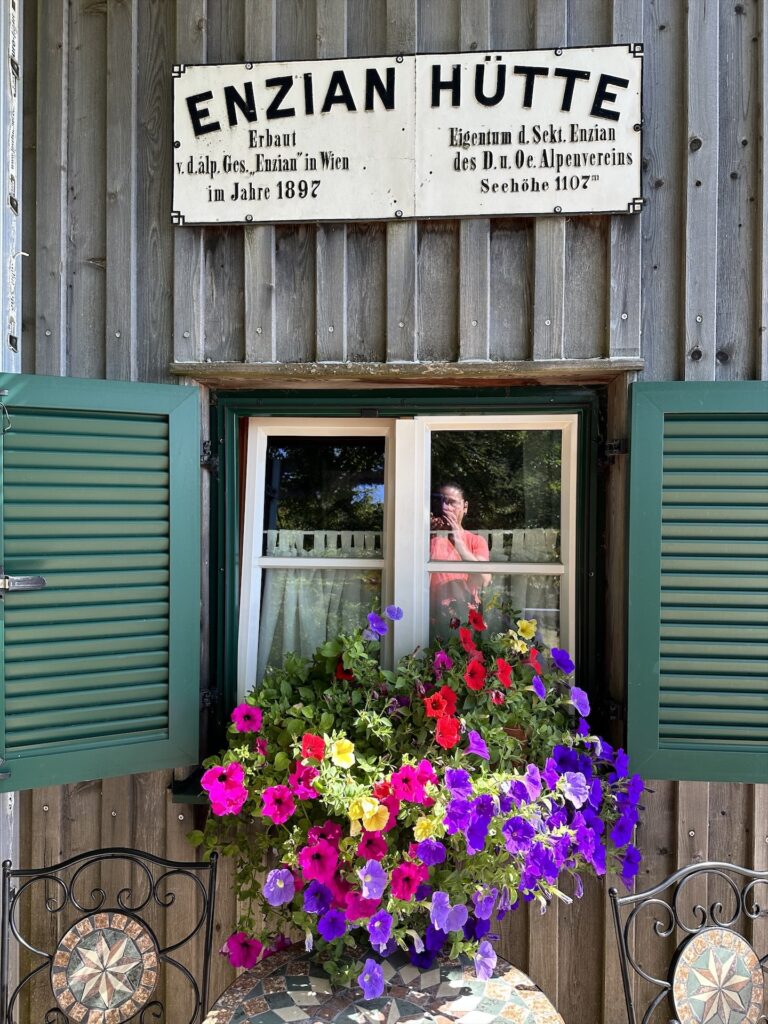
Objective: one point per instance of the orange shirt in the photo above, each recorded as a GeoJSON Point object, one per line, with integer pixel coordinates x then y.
{"type": "Point", "coordinates": [446, 588]}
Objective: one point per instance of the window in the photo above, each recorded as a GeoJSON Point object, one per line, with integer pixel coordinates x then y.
{"type": "Point", "coordinates": [344, 516]}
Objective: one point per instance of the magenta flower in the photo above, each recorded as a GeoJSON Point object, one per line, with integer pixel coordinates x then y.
{"type": "Point", "coordinates": [230, 775]}
{"type": "Point", "coordinates": [406, 785]}
{"type": "Point", "coordinates": [329, 830]}
{"type": "Point", "coordinates": [318, 861]}
{"type": "Point", "coordinates": [242, 951]}
{"type": "Point", "coordinates": [301, 779]}
{"type": "Point", "coordinates": [279, 887]}
{"type": "Point", "coordinates": [371, 847]}
{"type": "Point", "coordinates": [356, 906]}
{"type": "Point", "coordinates": [278, 804]}
{"type": "Point", "coordinates": [406, 879]}
{"type": "Point", "coordinates": [247, 718]}
{"type": "Point", "coordinates": [224, 785]}
{"type": "Point", "coordinates": [442, 663]}
{"type": "Point", "coordinates": [425, 772]}
{"type": "Point", "coordinates": [260, 747]}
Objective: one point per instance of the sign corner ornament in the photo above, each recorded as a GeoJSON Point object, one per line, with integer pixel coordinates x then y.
{"type": "Point", "coordinates": [496, 133]}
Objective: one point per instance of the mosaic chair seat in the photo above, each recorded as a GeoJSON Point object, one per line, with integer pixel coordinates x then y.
{"type": "Point", "coordinates": [687, 947]}
{"type": "Point", "coordinates": [107, 937]}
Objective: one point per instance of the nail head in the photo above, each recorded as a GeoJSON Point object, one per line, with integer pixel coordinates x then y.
{"type": "Point", "coordinates": [691, 832]}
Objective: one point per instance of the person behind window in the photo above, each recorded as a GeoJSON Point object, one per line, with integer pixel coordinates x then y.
{"type": "Point", "coordinates": [451, 595]}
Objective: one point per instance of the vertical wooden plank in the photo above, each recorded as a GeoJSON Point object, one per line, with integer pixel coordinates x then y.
{"type": "Point", "coordinates": [549, 232]}
{"type": "Point", "coordinates": [474, 234]}
{"type": "Point", "coordinates": [761, 254]}
{"type": "Point", "coordinates": [149, 795]}
{"type": "Point", "coordinates": [86, 213]}
{"type": "Point", "coordinates": [51, 177]}
{"type": "Point", "coordinates": [122, 65]}
{"type": "Point", "coordinates": [402, 246]}
{"type": "Point", "coordinates": [626, 242]}
{"type": "Point", "coordinates": [188, 305]}
{"type": "Point", "coordinates": [157, 237]}
{"type": "Point", "coordinates": [259, 241]}
{"type": "Point", "coordinates": [758, 832]}
{"type": "Point", "coordinates": [737, 224]}
{"type": "Point", "coordinates": [581, 929]}
{"type": "Point", "coordinates": [28, 265]}
{"type": "Point", "coordinates": [331, 239]}
{"type": "Point", "coordinates": [512, 25]}
{"type": "Point", "coordinates": [702, 135]}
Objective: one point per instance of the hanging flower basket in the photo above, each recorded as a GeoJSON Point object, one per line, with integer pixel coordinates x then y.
{"type": "Point", "coordinates": [399, 809]}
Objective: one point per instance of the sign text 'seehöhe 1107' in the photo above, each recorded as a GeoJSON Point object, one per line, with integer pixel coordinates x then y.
{"type": "Point", "coordinates": [433, 135]}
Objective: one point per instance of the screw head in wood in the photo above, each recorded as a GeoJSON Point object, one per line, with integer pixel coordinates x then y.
{"type": "Point", "coordinates": [699, 319]}
{"type": "Point", "coordinates": [691, 832]}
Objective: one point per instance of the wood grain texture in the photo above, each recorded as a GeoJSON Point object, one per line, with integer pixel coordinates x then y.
{"type": "Point", "coordinates": [548, 318]}
{"type": "Point", "coordinates": [156, 236]}
{"type": "Point", "coordinates": [295, 278]}
{"type": "Point", "coordinates": [625, 235]}
{"type": "Point", "coordinates": [761, 253]}
{"type": "Point", "coordinates": [188, 301]}
{"type": "Point", "coordinates": [27, 266]}
{"type": "Point", "coordinates": [513, 26]}
{"type": "Point", "coordinates": [702, 131]}
{"type": "Point", "coordinates": [438, 270]}
{"type": "Point", "coordinates": [511, 246]}
{"type": "Point", "coordinates": [331, 239]}
{"type": "Point", "coordinates": [121, 138]}
{"type": "Point", "coordinates": [86, 219]}
{"type": "Point", "coordinates": [259, 242]}
{"type": "Point", "coordinates": [475, 234]}
{"type": "Point", "coordinates": [737, 223]}
{"type": "Point", "coordinates": [758, 840]}
{"type": "Point", "coordinates": [366, 292]}
{"type": "Point", "coordinates": [586, 309]}
{"type": "Point", "coordinates": [402, 239]}
{"type": "Point", "coordinates": [50, 251]}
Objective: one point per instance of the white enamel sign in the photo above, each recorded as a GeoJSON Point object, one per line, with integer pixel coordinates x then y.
{"type": "Point", "coordinates": [434, 135]}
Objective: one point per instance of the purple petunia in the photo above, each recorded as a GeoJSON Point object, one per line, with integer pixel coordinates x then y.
{"type": "Point", "coordinates": [580, 700]}
{"type": "Point", "coordinates": [442, 663]}
{"type": "Point", "coordinates": [561, 658]}
{"type": "Point", "coordinates": [485, 961]}
{"type": "Point", "coordinates": [444, 916]}
{"type": "Point", "coordinates": [575, 788]}
{"type": "Point", "coordinates": [484, 902]}
{"type": "Point", "coordinates": [430, 852]}
{"type": "Point", "coordinates": [538, 687]}
{"type": "Point", "coordinates": [332, 925]}
{"type": "Point", "coordinates": [457, 815]}
{"type": "Point", "coordinates": [380, 929]}
{"type": "Point", "coordinates": [477, 745]}
{"type": "Point", "coordinates": [458, 782]}
{"type": "Point", "coordinates": [393, 612]}
{"type": "Point", "coordinates": [371, 979]}
{"type": "Point", "coordinates": [376, 624]}
{"type": "Point", "coordinates": [279, 887]}
{"type": "Point", "coordinates": [317, 898]}
{"type": "Point", "coordinates": [630, 864]}
{"type": "Point", "coordinates": [518, 835]}
{"type": "Point", "coordinates": [374, 879]}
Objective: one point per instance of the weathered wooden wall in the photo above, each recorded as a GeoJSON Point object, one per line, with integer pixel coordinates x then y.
{"type": "Point", "coordinates": [112, 290]}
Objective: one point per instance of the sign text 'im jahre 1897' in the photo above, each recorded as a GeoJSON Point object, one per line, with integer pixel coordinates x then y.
{"type": "Point", "coordinates": [433, 135]}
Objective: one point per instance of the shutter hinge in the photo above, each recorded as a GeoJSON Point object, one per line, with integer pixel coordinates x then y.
{"type": "Point", "coordinates": [208, 460]}
{"type": "Point", "coordinates": [17, 583]}
{"type": "Point", "coordinates": [609, 450]}
{"type": "Point", "coordinates": [209, 699]}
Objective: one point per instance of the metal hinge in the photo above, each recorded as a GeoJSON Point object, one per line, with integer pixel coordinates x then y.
{"type": "Point", "coordinates": [16, 583]}
{"type": "Point", "coordinates": [209, 699]}
{"type": "Point", "coordinates": [208, 460]}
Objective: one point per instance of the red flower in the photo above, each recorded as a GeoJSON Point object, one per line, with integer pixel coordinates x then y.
{"type": "Point", "coordinates": [497, 696]}
{"type": "Point", "coordinates": [312, 746]}
{"type": "Point", "coordinates": [474, 677]}
{"type": "Point", "coordinates": [436, 705]}
{"type": "Point", "coordinates": [466, 640]}
{"type": "Point", "coordinates": [476, 620]}
{"type": "Point", "coordinates": [504, 672]}
{"type": "Point", "coordinates": [533, 661]}
{"type": "Point", "coordinates": [447, 733]}
{"type": "Point", "coordinates": [343, 673]}
{"type": "Point", "coordinates": [449, 696]}
{"type": "Point", "coordinates": [382, 789]}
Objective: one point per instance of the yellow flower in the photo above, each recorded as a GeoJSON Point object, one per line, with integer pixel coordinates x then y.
{"type": "Point", "coordinates": [355, 828]}
{"type": "Point", "coordinates": [355, 809]}
{"type": "Point", "coordinates": [517, 644]}
{"type": "Point", "coordinates": [375, 815]}
{"type": "Point", "coordinates": [343, 753]}
{"type": "Point", "coordinates": [527, 628]}
{"type": "Point", "coordinates": [423, 829]}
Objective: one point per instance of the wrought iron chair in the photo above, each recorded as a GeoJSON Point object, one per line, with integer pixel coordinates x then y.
{"type": "Point", "coordinates": [699, 922]}
{"type": "Point", "coordinates": [97, 938]}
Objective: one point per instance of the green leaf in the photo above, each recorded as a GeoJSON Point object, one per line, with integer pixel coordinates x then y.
{"type": "Point", "coordinates": [330, 649]}
{"type": "Point", "coordinates": [294, 726]}
{"type": "Point", "coordinates": [281, 761]}
{"type": "Point", "coordinates": [195, 837]}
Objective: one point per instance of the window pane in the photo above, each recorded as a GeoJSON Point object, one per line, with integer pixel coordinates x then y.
{"type": "Point", "coordinates": [300, 608]}
{"type": "Point", "coordinates": [324, 497]}
{"type": "Point", "coordinates": [505, 598]}
{"type": "Point", "coordinates": [495, 494]}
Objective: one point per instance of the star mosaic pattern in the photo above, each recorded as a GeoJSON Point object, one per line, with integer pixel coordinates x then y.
{"type": "Point", "coordinates": [105, 969]}
{"type": "Point", "coordinates": [717, 980]}
{"type": "Point", "coordinates": [292, 987]}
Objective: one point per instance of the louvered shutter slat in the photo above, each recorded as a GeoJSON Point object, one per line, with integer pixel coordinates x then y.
{"type": "Point", "coordinates": [698, 609]}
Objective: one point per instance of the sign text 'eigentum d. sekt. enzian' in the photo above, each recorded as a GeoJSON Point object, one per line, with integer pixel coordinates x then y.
{"type": "Point", "coordinates": [431, 135]}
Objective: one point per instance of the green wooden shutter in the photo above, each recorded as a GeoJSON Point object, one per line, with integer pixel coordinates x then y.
{"type": "Point", "coordinates": [100, 495]}
{"type": "Point", "coordinates": [698, 581]}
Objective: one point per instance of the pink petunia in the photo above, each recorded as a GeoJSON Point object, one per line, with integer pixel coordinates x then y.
{"type": "Point", "coordinates": [241, 951]}
{"type": "Point", "coordinates": [406, 785]}
{"type": "Point", "coordinates": [224, 785]}
{"type": "Point", "coordinates": [372, 846]}
{"type": "Point", "coordinates": [231, 775]}
{"type": "Point", "coordinates": [393, 806]}
{"type": "Point", "coordinates": [406, 878]}
{"type": "Point", "coordinates": [318, 861]}
{"type": "Point", "coordinates": [425, 772]}
{"type": "Point", "coordinates": [357, 906]}
{"type": "Point", "coordinates": [260, 747]}
{"type": "Point", "coordinates": [339, 888]}
{"type": "Point", "coordinates": [330, 831]}
{"type": "Point", "coordinates": [227, 801]}
{"type": "Point", "coordinates": [301, 779]}
{"type": "Point", "coordinates": [278, 804]}
{"type": "Point", "coordinates": [247, 718]}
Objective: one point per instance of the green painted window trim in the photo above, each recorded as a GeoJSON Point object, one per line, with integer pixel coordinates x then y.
{"type": "Point", "coordinates": [230, 407]}
{"type": "Point", "coordinates": [181, 406]}
{"type": "Point", "coordinates": [651, 402]}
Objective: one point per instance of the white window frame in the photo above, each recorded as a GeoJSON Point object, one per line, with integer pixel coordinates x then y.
{"type": "Point", "coordinates": [404, 565]}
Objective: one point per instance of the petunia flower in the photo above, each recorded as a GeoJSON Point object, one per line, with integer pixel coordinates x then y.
{"type": "Point", "coordinates": [318, 861]}
{"type": "Point", "coordinates": [375, 815]}
{"type": "Point", "coordinates": [406, 785]}
{"type": "Point", "coordinates": [475, 675]}
{"type": "Point", "coordinates": [332, 925]}
{"type": "Point", "coordinates": [345, 674]}
{"type": "Point", "coordinates": [374, 879]}
{"type": "Point", "coordinates": [231, 775]}
{"type": "Point", "coordinates": [423, 828]}
{"type": "Point", "coordinates": [372, 846]}
{"type": "Point", "coordinates": [247, 718]}
{"type": "Point", "coordinates": [457, 815]}
{"type": "Point", "coordinates": [380, 929]}
{"type": "Point", "coordinates": [504, 672]}
{"type": "Point", "coordinates": [278, 804]}
{"type": "Point", "coordinates": [406, 878]}
{"type": "Point", "coordinates": [477, 745]}
{"type": "Point", "coordinates": [442, 663]}
{"type": "Point", "coordinates": [630, 864]}
{"type": "Point", "coordinates": [533, 661]}
{"type": "Point", "coordinates": [484, 901]}
{"type": "Point", "coordinates": [431, 852]}
{"type": "Point", "coordinates": [376, 624]}
{"type": "Point", "coordinates": [279, 887]}
{"type": "Point", "coordinates": [435, 705]}
{"type": "Point", "coordinates": [518, 835]}
{"type": "Point", "coordinates": [562, 659]}
{"type": "Point", "coordinates": [312, 746]}
{"type": "Point", "coordinates": [393, 612]}
{"type": "Point", "coordinates": [579, 699]}
{"type": "Point", "coordinates": [301, 779]}
{"type": "Point", "coordinates": [444, 916]}
{"type": "Point", "coordinates": [527, 628]}
{"type": "Point", "coordinates": [356, 906]}
{"type": "Point", "coordinates": [538, 687]}
{"type": "Point", "coordinates": [343, 753]}
{"type": "Point", "coordinates": [447, 732]}
{"type": "Point", "coordinates": [317, 898]}
{"type": "Point", "coordinates": [425, 772]}
{"type": "Point", "coordinates": [575, 788]}
{"type": "Point", "coordinates": [476, 620]}
{"type": "Point", "coordinates": [242, 951]}
{"type": "Point", "coordinates": [485, 961]}
{"type": "Point", "coordinates": [371, 980]}
{"type": "Point", "coordinates": [329, 830]}
{"type": "Point", "coordinates": [465, 638]}
{"type": "Point", "coordinates": [497, 697]}
{"type": "Point", "coordinates": [458, 782]}
{"type": "Point", "coordinates": [224, 785]}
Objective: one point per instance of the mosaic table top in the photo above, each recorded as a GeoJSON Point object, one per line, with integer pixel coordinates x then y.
{"type": "Point", "coordinates": [718, 979]}
{"type": "Point", "coordinates": [291, 988]}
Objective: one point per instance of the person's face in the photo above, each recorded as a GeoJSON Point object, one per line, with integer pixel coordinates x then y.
{"type": "Point", "coordinates": [452, 501]}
